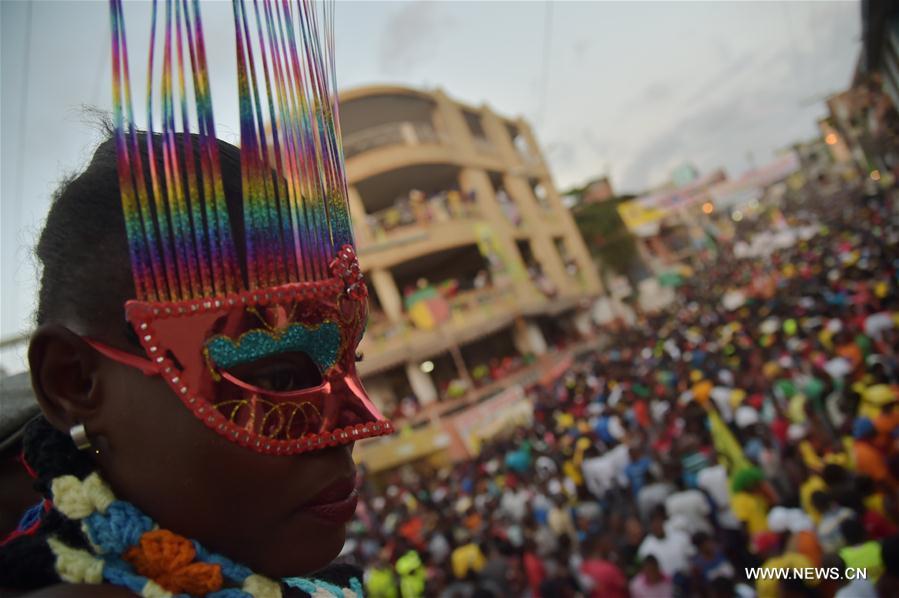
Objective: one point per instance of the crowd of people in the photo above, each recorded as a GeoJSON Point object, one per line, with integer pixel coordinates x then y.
{"type": "Point", "coordinates": [703, 447]}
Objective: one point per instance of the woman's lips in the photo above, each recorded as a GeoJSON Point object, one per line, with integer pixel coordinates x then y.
{"type": "Point", "coordinates": [336, 503]}
{"type": "Point", "coordinates": [340, 511]}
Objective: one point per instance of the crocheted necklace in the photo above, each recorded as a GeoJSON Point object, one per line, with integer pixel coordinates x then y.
{"type": "Point", "coordinates": [126, 548]}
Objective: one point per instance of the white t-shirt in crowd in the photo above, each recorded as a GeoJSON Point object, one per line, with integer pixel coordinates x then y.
{"type": "Point", "coordinates": [838, 368]}
{"type": "Point", "coordinates": [877, 324]}
{"type": "Point", "coordinates": [616, 429]}
{"type": "Point", "coordinates": [746, 416]}
{"type": "Point", "coordinates": [721, 395]}
{"type": "Point", "coordinates": [714, 481]}
{"type": "Point", "coordinates": [601, 473]}
{"type": "Point", "coordinates": [545, 466]}
{"type": "Point", "coordinates": [693, 508]}
{"type": "Point", "coordinates": [651, 496]}
{"type": "Point", "coordinates": [439, 548]}
{"type": "Point", "coordinates": [673, 551]}
{"type": "Point", "coordinates": [515, 503]}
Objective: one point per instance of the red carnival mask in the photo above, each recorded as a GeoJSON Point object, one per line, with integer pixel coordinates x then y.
{"type": "Point", "coordinates": [195, 345]}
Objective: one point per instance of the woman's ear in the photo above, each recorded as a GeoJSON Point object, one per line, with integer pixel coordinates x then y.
{"type": "Point", "coordinates": [63, 375]}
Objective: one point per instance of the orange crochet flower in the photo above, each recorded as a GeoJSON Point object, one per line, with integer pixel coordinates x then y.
{"type": "Point", "coordinates": [167, 559]}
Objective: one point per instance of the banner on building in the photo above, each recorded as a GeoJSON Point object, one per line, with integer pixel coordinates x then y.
{"type": "Point", "coordinates": [643, 215]}
{"type": "Point", "coordinates": [406, 446]}
{"type": "Point", "coordinates": [492, 251]}
{"type": "Point", "coordinates": [556, 370]}
{"type": "Point", "coordinates": [637, 215]}
{"type": "Point", "coordinates": [481, 422]}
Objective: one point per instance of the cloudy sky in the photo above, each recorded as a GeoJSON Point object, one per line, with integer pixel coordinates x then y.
{"type": "Point", "coordinates": [627, 89]}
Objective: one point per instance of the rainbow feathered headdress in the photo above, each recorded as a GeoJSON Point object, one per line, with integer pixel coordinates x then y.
{"type": "Point", "coordinates": [295, 210]}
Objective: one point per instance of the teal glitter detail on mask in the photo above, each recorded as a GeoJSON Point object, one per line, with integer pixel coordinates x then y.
{"type": "Point", "coordinates": [321, 343]}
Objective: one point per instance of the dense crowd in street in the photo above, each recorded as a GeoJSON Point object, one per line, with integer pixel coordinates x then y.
{"type": "Point", "coordinates": [706, 445]}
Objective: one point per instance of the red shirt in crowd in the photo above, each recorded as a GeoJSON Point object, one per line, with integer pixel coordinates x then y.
{"type": "Point", "coordinates": [608, 580]}
{"type": "Point", "coordinates": [534, 571]}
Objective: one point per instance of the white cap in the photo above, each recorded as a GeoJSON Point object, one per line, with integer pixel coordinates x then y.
{"type": "Point", "coordinates": [796, 432]}
{"type": "Point", "coordinates": [746, 416]}
{"type": "Point", "coordinates": [770, 326]}
{"type": "Point", "coordinates": [782, 519]}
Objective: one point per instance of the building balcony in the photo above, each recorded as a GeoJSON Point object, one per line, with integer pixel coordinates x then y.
{"type": "Point", "coordinates": [484, 146]}
{"type": "Point", "coordinates": [407, 133]}
{"type": "Point", "coordinates": [420, 214]}
{"type": "Point", "coordinates": [530, 160]}
{"type": "Point", "coordinates": [399, 245]}
{"type": "Point", "coordinates": [469, 315]}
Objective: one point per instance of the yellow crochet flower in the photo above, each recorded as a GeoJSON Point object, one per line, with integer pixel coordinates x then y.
{"type": "Point", "coordinates": [74, 565]}
{"type": "Point", "coordinates": [76, 499]}
{"type": "Point", "coordinates": [261, 587]}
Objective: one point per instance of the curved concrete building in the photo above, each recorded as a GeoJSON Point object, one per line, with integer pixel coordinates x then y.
{"type": "Point", "coordinates": [470, 256]}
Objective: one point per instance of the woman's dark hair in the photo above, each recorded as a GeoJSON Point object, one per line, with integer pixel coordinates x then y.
{"type": "Point", "coordinates": [83, 249]}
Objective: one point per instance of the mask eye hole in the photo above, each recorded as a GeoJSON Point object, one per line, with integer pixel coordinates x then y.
{"type": "Point", "coordinates": [284, 372]}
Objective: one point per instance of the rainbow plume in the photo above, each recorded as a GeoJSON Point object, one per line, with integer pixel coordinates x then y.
{"type": "Point", "coordinates": [295, 211]}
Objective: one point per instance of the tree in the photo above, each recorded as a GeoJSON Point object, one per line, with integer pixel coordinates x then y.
{"type": "Point", "coordinates": [607, 237]}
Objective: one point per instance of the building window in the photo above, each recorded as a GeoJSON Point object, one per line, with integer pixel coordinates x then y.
{"type": "Point", "coordinates": [479, 136]}
{"type": "Point", "coordinates": [541, 195]}
{"type": "Point", "coordinates": [571, 266]}
{"type": "Point", "coordinates": [508, 207]}
{"type": "Point", "coordinates": [521, 143]}
{"type": "Point", "coordinates": [507, 203]}
{"type": "Point", "coordinates": [475, 126]}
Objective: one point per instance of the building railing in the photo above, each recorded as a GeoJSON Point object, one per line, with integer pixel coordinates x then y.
{"type": "Point", "coordinates": [530, 160]}
{"type": "Point", "coordinates": [380, 329]}
{"type": "Point", "coordinates": [531, 373]}
{"type": "Point", "coordinates": [401, 133]}
{"type": "Point", "coordinates": [437, 209]}
{"type": "Point", "coordinates": [465, 303]}
{"type": "Point", "coordinates": [484, 146]}
{"type": "Point", "coordinates": [509, 208]}
{"type": "Point", "coordinates": [465, 308]}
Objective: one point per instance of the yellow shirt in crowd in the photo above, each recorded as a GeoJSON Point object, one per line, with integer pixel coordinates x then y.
{"type": "Point", "coordinates": [752, 510]}
{"type": "Point", "coordinates": [874, 397]}
{"type": "Point", "coordinates": [467, 558]}
{"type": "Point", "coordinates": [813, 484]}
